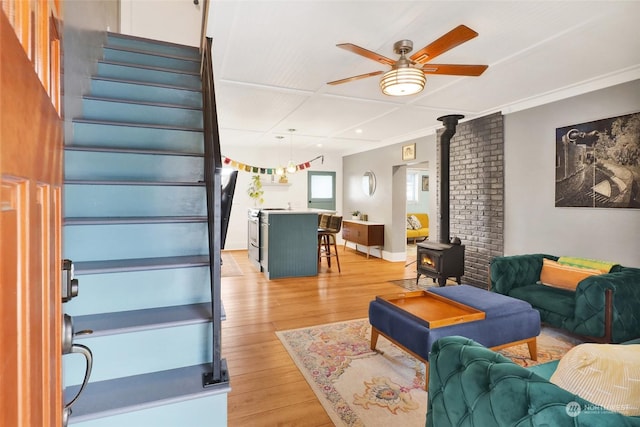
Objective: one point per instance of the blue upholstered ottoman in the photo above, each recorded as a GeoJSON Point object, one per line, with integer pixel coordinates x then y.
{"type": "Point", "coordinates": [508, 321]}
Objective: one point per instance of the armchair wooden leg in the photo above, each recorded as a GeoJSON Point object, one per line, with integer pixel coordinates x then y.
{"type": "Point", "coordinates": [533, 348]}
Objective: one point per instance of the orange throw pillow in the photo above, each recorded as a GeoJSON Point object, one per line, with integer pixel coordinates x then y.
{"type": "Point", "coordinates": [564, 276]}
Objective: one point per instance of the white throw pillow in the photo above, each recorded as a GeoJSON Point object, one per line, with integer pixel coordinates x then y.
{"type": "Point", "coordinates": [415, 222]}
{"type": "Point", "coordinates": [607, 375]}
{"type": "Point", "coordinates": [409, 225]}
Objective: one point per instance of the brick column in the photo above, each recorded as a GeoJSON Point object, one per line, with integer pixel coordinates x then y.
{"type": "Point", "coordinates": [477, 193]}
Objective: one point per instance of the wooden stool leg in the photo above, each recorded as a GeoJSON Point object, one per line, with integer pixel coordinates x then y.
{"type": "Point", "coordinates": [327, 249]}
{"type": "Point", "coordinates": [335, 246]}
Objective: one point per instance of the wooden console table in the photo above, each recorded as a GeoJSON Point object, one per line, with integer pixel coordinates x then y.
{"type": "Point", "coordinates": [363, 233]}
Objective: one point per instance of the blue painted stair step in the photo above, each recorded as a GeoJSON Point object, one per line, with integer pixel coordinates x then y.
{"type": "Point", "coordinates": [137, 112]}
{"type": "Point", "coordinates": [150, 59]}
{"type": "Point", "coordinates": [96, 242]}
{"type": "Point", "coordinates": [113, 200]}
{"type": "Point", "coordinates": [103, 87]}
{"type": "Point", "coordinates": [128, 166]}
{"type": "Point", "coordinates": [141, 352]}
{"type": "Point", "coordinates": [104, 133]}
{"type": "Point", "coordinates": [169, 398]}
{"type": "Point", "coordinates": [139, 43]}
{"type": "Point", "coordinates": [133, 72]}
{"type": "Point", "coordinates": [161, 288]}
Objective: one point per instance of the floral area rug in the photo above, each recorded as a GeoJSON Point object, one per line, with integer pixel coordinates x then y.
{"type": "Point", "coordinates": [552, 345]}
{"type": "Point", "coordinates": [423, 284]}
{"type": "Point", "coordinates": [361, 387]}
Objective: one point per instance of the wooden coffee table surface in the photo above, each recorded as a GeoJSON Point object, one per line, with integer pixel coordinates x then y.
{"type": "Point", "coordinates": [436, 310]}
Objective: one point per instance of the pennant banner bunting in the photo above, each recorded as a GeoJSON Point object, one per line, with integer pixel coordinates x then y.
{"type": "Point", "coordinates": [268, 171]}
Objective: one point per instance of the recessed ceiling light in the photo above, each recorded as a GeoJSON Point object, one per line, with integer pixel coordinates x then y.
{"type": "Point", "coordinates": [358, 130]}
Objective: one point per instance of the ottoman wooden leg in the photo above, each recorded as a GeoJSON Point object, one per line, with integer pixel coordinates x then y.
{"type": "Point", "coordinates": [533, 348]}
{"type": "Point", "coordinates": [374, 341]}
{"type": "Point", "coordinates": [374, 338]}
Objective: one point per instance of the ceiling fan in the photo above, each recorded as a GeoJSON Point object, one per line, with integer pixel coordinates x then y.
{"type": "Point", "coordinates": [407, 75]}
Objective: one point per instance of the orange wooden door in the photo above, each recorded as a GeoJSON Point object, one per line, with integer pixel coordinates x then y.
{"type": "Point", "coordinates": [30, 251]}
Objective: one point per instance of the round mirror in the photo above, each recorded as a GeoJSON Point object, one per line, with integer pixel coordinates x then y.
{"type": "Point", "coordinates": [368, 183]}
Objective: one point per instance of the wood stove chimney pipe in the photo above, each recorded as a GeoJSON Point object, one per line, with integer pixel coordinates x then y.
{"type": "Point", "coordinates": [450, 122]}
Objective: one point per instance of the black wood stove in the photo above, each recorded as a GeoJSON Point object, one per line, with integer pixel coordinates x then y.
{"type": "Point", "coordinates": [444, 259]}
{"type": "Point", "coordinates": [440, 261]}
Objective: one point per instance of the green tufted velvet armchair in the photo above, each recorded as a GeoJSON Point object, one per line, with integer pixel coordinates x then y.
{"type": "Point", "coordinates": [470, 385]}
{"type": "Point", "coordinates": [605, 308]}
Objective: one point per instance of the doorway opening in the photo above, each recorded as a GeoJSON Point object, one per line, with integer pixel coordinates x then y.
{"type": "Point", "coordinates": [417, 206]}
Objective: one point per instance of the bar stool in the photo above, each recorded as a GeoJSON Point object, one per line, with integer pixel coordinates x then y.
{"type": "Point", "coordinates": [327, 238]}
{"type": "Point", "coordinates": [323, 225]}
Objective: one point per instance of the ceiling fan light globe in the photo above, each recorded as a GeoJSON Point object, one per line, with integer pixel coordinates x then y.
{"type": "Point", "coordinates": [402, 81]}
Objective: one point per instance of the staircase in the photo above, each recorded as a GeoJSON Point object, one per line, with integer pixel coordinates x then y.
{"type": "Point", "coordinates": [135, 226]}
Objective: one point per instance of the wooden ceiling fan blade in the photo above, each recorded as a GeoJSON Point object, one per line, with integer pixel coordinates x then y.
{"type": "Point", "coordinates": [350, 79]}
{"type": "Point", "coordinates": [453, 38]}
{"type": "Point", "coordinates": [454, 69]}
{"type": "Point", "coordinates": [366, 53]}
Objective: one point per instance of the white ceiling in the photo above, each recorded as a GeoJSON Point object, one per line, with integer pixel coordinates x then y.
{"type": "Point", "coordinates": [272, 60]}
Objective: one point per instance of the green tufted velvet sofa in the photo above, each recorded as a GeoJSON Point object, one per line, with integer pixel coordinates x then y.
{"type": "Point", "coordinates": [470, 385]}
{"type": "Point", "coordinates": [604, 308]}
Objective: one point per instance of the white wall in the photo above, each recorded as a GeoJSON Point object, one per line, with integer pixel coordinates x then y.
{"type": "Point", "coordinates": [151, 18]}
{"type": "Point", "coordinates": [532, 222]}
{"type": "Point", "coordinates": [388, 203]}
{"type": "Point", "coordinates": [274, 196]}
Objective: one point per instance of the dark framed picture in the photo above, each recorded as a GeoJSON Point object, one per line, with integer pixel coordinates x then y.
{"type": "Point", "coordinates": [409, 152]}
{"type": "Point", "coordinates": [597, 163]}
{"type": "Point", "coordinates": [425, 182]}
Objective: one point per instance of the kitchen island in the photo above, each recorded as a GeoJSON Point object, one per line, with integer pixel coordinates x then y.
{"type": "Point", "coordinates": [288, 243]}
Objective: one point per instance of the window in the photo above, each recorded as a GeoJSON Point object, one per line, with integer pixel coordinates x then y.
{"type": "Point", "coordinates": [413, 186]}
{"type": "Point", "coordinates": [321, 190]}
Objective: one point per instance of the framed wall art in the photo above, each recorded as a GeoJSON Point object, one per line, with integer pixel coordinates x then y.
{"type": "Point", "coordinates": [409, 152]}
{"type": "Point", "coordinates": [598, 163]}
{"type": "Point", "coordinates": [425, 182]}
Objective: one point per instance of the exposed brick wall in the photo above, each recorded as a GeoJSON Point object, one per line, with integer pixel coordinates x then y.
{"type": "Point", "coordinates": [477, 192]}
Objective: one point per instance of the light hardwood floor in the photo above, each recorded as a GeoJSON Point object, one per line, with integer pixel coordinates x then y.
{"type": "Point", "coordinates": [266, 387]}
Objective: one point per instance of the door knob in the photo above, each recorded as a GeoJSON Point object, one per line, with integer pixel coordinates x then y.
{"type": "Point", "coordinates": [68, 347]}
{"type": "Point", "coordinates": [66, 413]}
